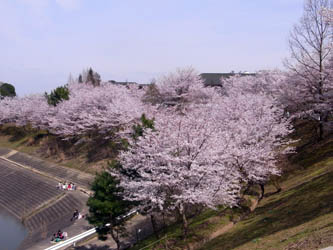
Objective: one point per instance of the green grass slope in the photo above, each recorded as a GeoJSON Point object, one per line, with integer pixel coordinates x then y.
{"type": "Point", "coordinates": [299, 217]}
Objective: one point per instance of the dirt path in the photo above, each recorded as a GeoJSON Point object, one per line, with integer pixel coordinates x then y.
{"type": "Point", "coordinates": [254, 205]}
{"type": "Point", "coordinates": [221, 231]}
{"type": "Point", "coordinates": [226, 228]}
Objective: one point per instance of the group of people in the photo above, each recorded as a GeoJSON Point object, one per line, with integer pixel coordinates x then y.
{"type": "Point", "coordinates": [66, 186]}
{"type": "Point", "coordinates": [58, 236]}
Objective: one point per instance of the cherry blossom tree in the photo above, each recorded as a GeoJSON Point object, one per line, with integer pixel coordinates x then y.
{"type": "Point", "coordinates": [290, 92]}
{"type": "Point", "coordinates": [32, 110]}
{"type": "Point", "coordinates": [273, 83]}
{"type": "Point", "coordinates": [178, 164]}
{"type": "Point", "coordinates": [269, 100]}
{"type": "Point", "coordinates": [102, 110]}
{"type": "Point", "coordinates": [206, 153]}
{"type": "Point", "coordinates": [179, 88]}
{"type": "Point", "coordinates": [259, 133]}
{"type": "Point", "coordinates": [96, 109]}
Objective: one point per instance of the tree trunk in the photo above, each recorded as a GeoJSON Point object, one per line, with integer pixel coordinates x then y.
{"type": "Point", "coordinates": [247, 189]}
{"type": "Point", "coordinates": [182, 212]}
{"type": "Point", "coordinates": [115, 237]}
{"type": "Point", "coordinates": [154, 225]}
{"type": "Point", "coordinates": [321, 130]}
{"type": "Point", "coordinates": [262, 187]}
{"type": "Point", "coordinates": [185, 225]}
{"type": "Point", "coordinates": [164, 222]}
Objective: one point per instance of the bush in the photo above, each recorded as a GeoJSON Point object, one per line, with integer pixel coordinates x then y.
{"type": "Point", "coordinates": [7, 89]}
{"type": "Point", "coordinates": [58, 95]}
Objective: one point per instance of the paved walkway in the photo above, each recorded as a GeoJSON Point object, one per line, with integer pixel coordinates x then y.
{"type": "Point", "coordinates": [65, 225]}
{"type": "Point", "coordinates": [28, 191]}
{"type": "Point", "coordinates": [138, 227]}
{"type": "Point", "coordinates": [51, 170]}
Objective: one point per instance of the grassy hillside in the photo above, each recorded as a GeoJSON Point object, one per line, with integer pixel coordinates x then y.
{"type": "Point", "coordinates": [299, 217]}
{"type": "Point", "coordinates": [37, 143]}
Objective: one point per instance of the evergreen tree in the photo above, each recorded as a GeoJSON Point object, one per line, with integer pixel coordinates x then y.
{"type": "Point", "coordinates": [80, 79]}
{"type": "Point", "coordinates": [93, 78]}
{"type": "Point", "coordinates": [107, 206]}
{"type": "Point", "coordinates": [90, 77]}
{"type": "Point", "coordinates": [7, 89]}
{"type": "Point", "coordinates": [58, 95]}
{"type": "Point", "coordinates": [139, 128]}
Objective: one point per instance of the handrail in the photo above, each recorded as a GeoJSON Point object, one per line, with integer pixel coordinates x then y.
{"type": "Point", "coordinates": [84, 234]}
{"type": "Point", "coordinates": [72, 240]}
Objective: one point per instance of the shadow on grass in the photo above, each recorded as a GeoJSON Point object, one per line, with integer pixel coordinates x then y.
{"type": "Point", "coordinates": [15, 133]}
{"type": "Point", "coordinates": [319, 152]}
{"type": "Point", "coordinates": [309, 149]}
{"type": "Point", "coordinates": [295, 207]}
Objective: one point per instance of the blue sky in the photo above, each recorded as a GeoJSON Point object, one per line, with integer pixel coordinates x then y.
{"type": "Point", "coordinates": [42, 41]}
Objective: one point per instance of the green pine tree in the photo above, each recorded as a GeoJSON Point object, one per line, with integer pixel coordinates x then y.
{"type": "Point", "coordinates": [58, 95]}
{"type": "Point", "coordinates": [138, 129]}
{"type": "Point", "coordinates": [107, 206]}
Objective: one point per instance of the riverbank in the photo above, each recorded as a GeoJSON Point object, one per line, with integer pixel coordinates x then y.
{"type": "Point", "coordinates": [28, 192]}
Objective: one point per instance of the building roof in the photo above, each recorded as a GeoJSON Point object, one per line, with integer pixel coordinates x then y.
{"type": "Point", "coordinates": [140, 86]}
{"type": "Point", "coordinates": [121, 83]}
{"type": "Point", "coordinates": [214, 79]}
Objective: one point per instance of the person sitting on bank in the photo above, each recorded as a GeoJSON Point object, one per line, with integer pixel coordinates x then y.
{"type": "Point", "coordinates": [55, 238]}
{"type": "Point", "coordinates": [60, 235]}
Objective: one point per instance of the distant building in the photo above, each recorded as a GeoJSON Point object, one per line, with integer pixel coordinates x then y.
{"type": "Point", "coordinates": [122, 83]}
{"type": "Point", "coordinates": [127, 83]}
{"type": "Point", "coordinates": [214, 79]}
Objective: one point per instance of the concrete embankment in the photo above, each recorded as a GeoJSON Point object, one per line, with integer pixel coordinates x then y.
{"type": "Point", "coordinates": [51, 170]}
{"type": "Point", "coordinates": [28, 191]}
{"type": "Point", "coordinates": [21, 191]}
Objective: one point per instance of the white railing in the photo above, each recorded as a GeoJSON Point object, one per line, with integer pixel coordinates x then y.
{"type": "Point", "coordinates": [85, 234]}
{"type": "Point", "coordinates": [72, 240]}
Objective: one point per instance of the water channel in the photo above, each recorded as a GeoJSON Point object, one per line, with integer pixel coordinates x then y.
{"type": "Point", "coordinates": [12, 232]}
